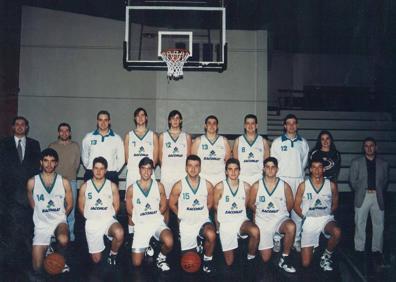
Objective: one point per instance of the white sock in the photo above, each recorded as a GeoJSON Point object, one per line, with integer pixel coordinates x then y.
{"type": "Point", "coordinates": [250, 257]}
{"type": "Point", "coordinates": [113, 253]}
{"type": "Point", "coordinates": [285, 255]}
{"type": "Point", "coordinates": [327, 252]}
{"type": "Point", "coordinates": [208, 258]}
{"type": "Point", "coordinates": [131, 229]}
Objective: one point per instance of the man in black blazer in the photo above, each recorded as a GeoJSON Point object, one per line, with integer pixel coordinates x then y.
{"type": "Point", "coordinates": [19, 160]}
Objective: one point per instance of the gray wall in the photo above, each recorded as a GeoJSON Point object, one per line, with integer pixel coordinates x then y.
{"type": "Point", "coordinates": [71, 67]}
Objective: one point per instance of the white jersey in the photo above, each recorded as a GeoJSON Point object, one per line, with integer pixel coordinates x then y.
{"type": "Point", "coordinates": [98, 201]}
{"type": "Point", "coordinates": [174, 154]}
{"type": "Point", "coordinates": [49, 202]}
{"type": "Point", "coordinates": [271, 206]}
{"type": "Point", "coordinates": [251, 157]}
{"type": "Point", "coordinates": [232, 205]}
{"type": "Point", "coordinates": [292, 156]}
{"type": "Point", "coordinates": [138, 148]}
{"type": "Point", "coordinates": [146, 204]}
{"type": "Point", "coordinates": [212, 159]}
{"type": "Point", "coordinates": [193, 203]}
{"type": "Point", "coordinates": [316, 202]}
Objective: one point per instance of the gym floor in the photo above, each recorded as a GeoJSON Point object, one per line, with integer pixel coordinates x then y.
{"type": "Point", "coordinates": [348, 265]}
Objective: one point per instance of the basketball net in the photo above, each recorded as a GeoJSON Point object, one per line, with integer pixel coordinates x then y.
{"type": "Point", "coordinates": [175, 59]}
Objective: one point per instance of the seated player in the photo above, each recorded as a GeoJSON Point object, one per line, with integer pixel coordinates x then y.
{"type": "Point", "coordinates": [51, 199]}
{"type": "Point", "coordinates": [191, 199]}
{"type": "Point", "coordinates": [213, 149]}
{"type": "Point", "coordinates": [146, 204]}
{"type": "Point", "coordinates": [316, 201]}
{"type": "Point", "coordinates": [230, 199]}
{"type": "Point", "coordinates": [271, 200]}
{"type": "Point", "coordinates": [99, 202]}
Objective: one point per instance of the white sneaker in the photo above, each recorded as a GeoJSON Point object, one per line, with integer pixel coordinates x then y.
{"type": "Point", "coordinates": [66, 268]}
{"type": "Point", "coordinates": [284, 263]}
{"type": "Point", "coordinates": [149, 251]}
{"type": "Point", "coordinates": [162, 264]}
{"type": "Point", "coordinates": [325, 263]}
{"type": "Point", "coordinates": [200, 247]}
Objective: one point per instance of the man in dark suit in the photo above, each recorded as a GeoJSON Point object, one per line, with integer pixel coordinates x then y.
{"type": "Point", "coordinates": [369, 178]}
{"type": "Point", "coordinates": [19, 160]}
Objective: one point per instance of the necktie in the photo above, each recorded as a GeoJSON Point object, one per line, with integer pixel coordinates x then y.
{"type": "Point", "coordinates": [19, 149]}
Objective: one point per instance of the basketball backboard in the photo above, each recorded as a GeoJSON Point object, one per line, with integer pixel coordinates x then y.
{"type": "Point", "coordinates": [150, 30]}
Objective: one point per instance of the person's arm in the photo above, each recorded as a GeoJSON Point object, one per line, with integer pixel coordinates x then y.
{"type": "Point", "coordinates": [252, 197]}
{"type": "Point", "coordinates": [189, 144]}
{"type": "Point", "coordinates": [162, 206]}
{"type": "Point", "coordinates": [155, 148]}
{"type": "Point", "coordinates": [68, 196]}
{"type": "Point", "coordinates": [195, 146]}
{"type": "Point", "coordinates": [354, 175]}
{"type": "Point", "coordinates": [36, 153]}
{"type": "Point", "coordinates": [305, 154]}
{"type": "Point", "coordinates": [85, 151]}
{"type": "Point", "coordinates": [266, 148]}
{"type": "Point", "coordinates": [174, 197]}
{"type": "Point", "coordinates": [116, 197]}
{"type": "Point", "coordinates": [81, 198]}
{"type": "Point", "coordinates": [29, 187]}
{"type": "Point", "coordinates": [227, 149]}
{"type": "Point", "coordinates": [235, 148]}
{"type": "Point", "coordinates": [298, 199]}
{"type": "Point", "coordinates": [289, 197]}
{"type": "Point", "coordinates": [128, 201]}
{"type": "Point", "coordinates": [274, 151]}
{"type": "Point", "coordinates": [247, 188]}
{"type": "Point", "coordinates": [126, 147]}
{"type": "Point", "coordinates": [334, 194]}
{"type": "Point", "coordinates": [160, 147]}
{"type": "Point", "coordinates": [120, 154]}
{"type": "Point", "coordinates": [218, 193]}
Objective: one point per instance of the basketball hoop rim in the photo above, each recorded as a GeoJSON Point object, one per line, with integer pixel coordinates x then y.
{"type": "Point", "coordinates": [171, 51]}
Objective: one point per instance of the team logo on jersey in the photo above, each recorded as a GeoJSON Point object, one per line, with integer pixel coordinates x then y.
{"type": "Point", "coordinates": [141, 150]}
{"type": "Point", "coordinates": [196, 206]}
{"type": "Point", "coordinates": [212, 156]}
{"type": "Point", "coordinates": [98, 205]}
{"type": "Point", "coordinates": [93, 142]}
{"type": "Point", "coordinates": [168, 144]}
{"type": "Point", "coordinates": [148, 210]}
{"type": "Point", "coordinates": [270, 208]}
{"type": "Point", "coordinates": [147, 207]}
{"type": "Point", "coordinates": [98, 202]}
{"type": "Point", "coordinates": [318, 205]}
{"type": "Point", "coordinates": [50, 207]}
{"type": "Point", "coordinates": [234, 209]}
{"type": "Point", "coordinates": [251, 156]}
{"type": "Point", "coordinates": [175, 150]}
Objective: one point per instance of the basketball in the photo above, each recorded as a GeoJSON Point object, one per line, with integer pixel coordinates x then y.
{"type": "Point", "coordinates": [190, 262]}
{"type": "Point", "coordinates": [54, 264]}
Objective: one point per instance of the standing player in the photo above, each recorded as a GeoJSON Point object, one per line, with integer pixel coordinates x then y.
{"type": "Point", "coordinates": [139, 143]}
{"type": "Point", "coordinates": [230, 200]}
{"type": "Point", "coordinates": [191, 199]}
{"type": "Point", "coordinates": [146, 204]}
{"type": "Point", "coordinates": [174, 148]}
{"type": "Point", "coordinates": [251, 150]}
{"type": "Point", "coordinates": [291, 151]}
{"type": "Point", "coordinates": [103, 142]}
{"type": "Point", "coordinates": [51, 199]}
{"type": "Point", "coordinates": [99, 202]}
{"type": "Point", "coordinates": [213, 150]}
{"type": "Point", "coordinates": [316, 201]}
{"type": "Point", "coordinates": [271, 200]}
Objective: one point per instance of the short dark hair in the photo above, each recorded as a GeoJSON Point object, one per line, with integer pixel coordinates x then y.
{"type": "Point", "coordinates": [173, 114]}
{"type": "Point", "coordinates": [232, 161]}
{"type": "Point", "coordinates": [103, 112]}
{"type": "Point", "coordinates": [252, 116]}
{"type": "Point", "coordinates": [371, 139]}
{"type": "Point", "coordinates": [20, 118]}
{"type": "Point", "coordinates": [146, 161]}
{"type": "Point", "coordinates": [100, 160]}
{"type": "Point", "coordinates": [193, 158]}
{"type": "Point", "coordinates": [64, 124]}
{"type": "Point", "coordinates": [49, 152]}
{"type": "Point", "coordinates": [211, 117]}
{"type": "Point", "coordinates": [316, 160]}
{"type": "Point", "coordinates": [289, 116]}
{"type": "Point", "coordinates": [137, 111]}
{"type": "Point", "coordinates": [271, 159]}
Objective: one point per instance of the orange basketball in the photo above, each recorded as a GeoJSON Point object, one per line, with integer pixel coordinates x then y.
{"type": "Point", "coordinates": [190, 262]}
{"type": "Point", "coordinates": [54, 263]}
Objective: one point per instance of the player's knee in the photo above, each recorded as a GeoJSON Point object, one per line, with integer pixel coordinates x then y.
{"type": "Point", "coordinates": [119, 234]}
{"type": "Point", "coordinates": [266, 256]}
{"type": "Point", "coordinates": [336, 233]}
{"type": "Point", "coordinates": [96, 258]}
{"type": "Point", "coordinates": [137, 262]}
{"type": "Point", "coordinates": [290, 227]}
{"type": "Point", "coordinates": [62, 239]}
{"type": "Point", "coordinates": [210, 235]}
{"type": "Point", "coordinates": [255, 233]}
{"type": "Point", "coordinates": [168, 241]}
